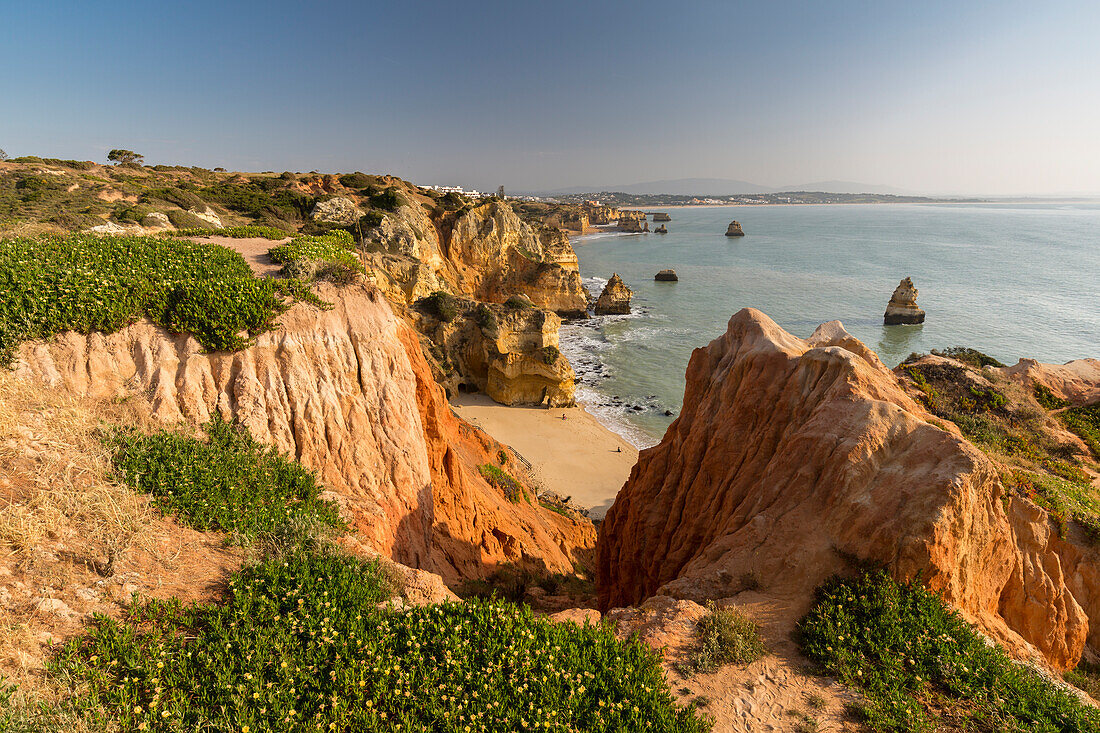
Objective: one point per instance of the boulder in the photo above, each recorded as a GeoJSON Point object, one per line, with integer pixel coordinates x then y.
{"type": "Point", "coordinates": [578, 616]}
{"type": "Point", "coordinates": [209, 216]}
{"type": "Point", "coordinates": [902, 308]}
{"type": "Point", "coordinates": [735, 230]}
{"type": "Point", "coordinates": [791, 457]}
{"type": "Point", "coordinates": [666, 276]}
{"type": "Point", "coordinates": [661, 230]}
{"type": "Point", "coordinates": [615, 298]}
{"type": "Point", "coordinates": [337, 210]}
{"type": "Point", "coordinates": [156, 220]}
{"type": "Point", "coordinates": [110, 228]}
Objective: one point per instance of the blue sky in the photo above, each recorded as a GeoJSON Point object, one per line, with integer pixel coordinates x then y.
{"type": "Point", "coordinates": [947, 97]}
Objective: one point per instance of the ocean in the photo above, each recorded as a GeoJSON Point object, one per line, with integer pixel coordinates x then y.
{"type": "Point", "coordinates": [1012, 280]}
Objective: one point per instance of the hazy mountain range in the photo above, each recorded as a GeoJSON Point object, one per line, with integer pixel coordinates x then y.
{"type": "Point", "coordinates": [727, 187]}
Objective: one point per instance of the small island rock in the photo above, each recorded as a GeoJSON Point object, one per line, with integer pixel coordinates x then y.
{"type": "Point", "coordinates": [668, 276]}
{"type": "Point", "coordinates": [735, 230]}
{"type": "Point", "coordinates": [660, 216]}
{"type": "Point", "coordinates": [615, 298]}
{"type": "Point", "coordinates": [661, 230]}
{"type": "Point", "coordinates": [903, 308]}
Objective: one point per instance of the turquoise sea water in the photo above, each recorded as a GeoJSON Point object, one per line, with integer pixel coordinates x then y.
{"type": "Point", "coordinates": [1013, 280]}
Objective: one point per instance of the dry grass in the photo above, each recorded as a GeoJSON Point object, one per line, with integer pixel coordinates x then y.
{"type": "Point", "coordinates": [56, 491]}
{"type": "Point", "coordinates": [62, 516]}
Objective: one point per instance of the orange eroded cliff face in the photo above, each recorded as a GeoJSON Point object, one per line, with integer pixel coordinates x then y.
{"type": "Point", "coordinates": [791, 455]}
{"type": "Point", "coordinates": [347, 392]}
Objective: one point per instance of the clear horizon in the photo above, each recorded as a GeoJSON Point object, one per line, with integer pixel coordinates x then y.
{"type": "Point", "coordinates": [971, 98]}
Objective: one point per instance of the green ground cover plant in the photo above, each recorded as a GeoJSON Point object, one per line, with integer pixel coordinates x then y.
{"type": "Point", "coordinates": [920, 665]}
{"type": "Point", "coordinates": [502, 481]}
{"type": "Point", "coordinates": [301, 646]}
{"type": "Point", "coordinates": [329, 256]}
{"type": "Point", "coordinates": [1085, 421]}
{"type": "Point", "coordinates": [228, 482]}
{"type": "Point", "coordinates": [90, 283]}
{"type": "Point", "coordinates": [242, 232]}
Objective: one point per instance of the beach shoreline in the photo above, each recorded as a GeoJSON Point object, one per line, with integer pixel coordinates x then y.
{"type": "Point", "coordinates": [577, 457]}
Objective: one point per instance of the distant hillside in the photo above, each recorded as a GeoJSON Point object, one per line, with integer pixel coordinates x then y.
{"type": "Point", "coordinates": [847, 187]}
{"type": "Point", "coordinates": [728, 187]}
{"type": "Point", "coordinates": [677, 187]}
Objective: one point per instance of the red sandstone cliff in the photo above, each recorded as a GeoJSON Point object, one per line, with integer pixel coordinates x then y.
{"type": "Point", "coordinates": [348, 393]}
{"type": "Point", "coordinates": [791, 454]}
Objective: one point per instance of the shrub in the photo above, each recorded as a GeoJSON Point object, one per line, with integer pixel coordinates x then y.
{"type": "Point", "coordinates": [330, 256]}
{"type": "Point", "coordinates": [966, 355]}
{"type": "Point", "coordinates": [905, 649]}
{"type": "Point", "coordinates": [441, 305]}
{"type": "Point", "coordinates": [187, 221]}
{"type": "Point", "coordinates": [517, 302]}
{"type": "Point", "coordinates": [387, 200]}
{"type": "Point", "coordinates": [355, 180]}
{"type": "Point", "coordinates": [228, 482]}
{"type": "Point", "coordinates": [550, 354]}
{"type": "Point", "coordinates": [89, 283]}
{"type": "Point", "coordinates": [484, 317]}
{"type": "Point", "coordinates": [300, 645]}
{"type": "Point", "coordinates": [186, 200]}
{"type": "Point", "coordinates": [724, 636]}
{"type": "Point", "coordinates": [252, 231]}
{"type": "Point", "coordinates": [502, 481]}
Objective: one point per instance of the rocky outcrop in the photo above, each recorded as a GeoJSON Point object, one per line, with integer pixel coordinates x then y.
{"type": "Point", "coordinates": [348, 393]}
{"type": "Point", "coordinates": [156, 220]}
{"type": "Point", "coordinates": [337, 210]}
{"type": "Point", "coordinates": [509, 352]}
{"type": "Point", "coordinates": [632, 221]}
{"type": "Point", "coordinates": [1076, 382]}
{"type": "Point", "coordinates": [790, 455]}
{"type": "Point", "coordinates": [615, 298]}
{"type": "Point", "coordinates": [666, 276]}
{"type": "Point", "coordinates": [486, 252]}
{"type": "Point", "coordinates": [601, 215]}
{"type": "Point", "coordinates": [661, 230]}
{"type": "Point", "coordinates": [902, 308]}
{"type": "Point", "coordinates": [661, 216]}
{"type": "Point", "coordinates": [735, 230]}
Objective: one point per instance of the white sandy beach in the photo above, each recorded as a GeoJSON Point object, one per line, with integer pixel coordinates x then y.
{"type": "Point", "coordinates": [575, 457]}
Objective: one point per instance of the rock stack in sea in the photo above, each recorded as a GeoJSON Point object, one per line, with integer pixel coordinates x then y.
{"type": "Point", "coordinates": [661, 230]}
{"type": "Point", "coordinates": [902, 307]}
{"type": "Point", "coordinates": [668, 276]}
{"type": "Point", "coordinates": [615, 298]}
{"type": "Point", "coordinates": [735, 230]}
{"type": "Point", "coordinates": [631, 221]}
{"type": "Point", "coordinates": [660, 216]}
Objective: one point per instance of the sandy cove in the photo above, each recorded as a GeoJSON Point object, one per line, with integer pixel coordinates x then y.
{"type": "Point", "coordinates": [576, 457]}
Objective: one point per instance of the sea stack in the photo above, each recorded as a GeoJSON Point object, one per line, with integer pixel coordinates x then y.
{"type": "Point", "coordinates": [615, 298]}
{"type": "Point", "coordinates": [660, 216]}
{"type": "Point", "coordinates": [661, 230]}
{"type": "Point", "coordinates": [631, 221]}
{"type": "Point", "coordinates": [735, 230]}
{"type": "Point", "coordinates": [666, 276]}
{"type": "Point", "coordinates": [903, 308]}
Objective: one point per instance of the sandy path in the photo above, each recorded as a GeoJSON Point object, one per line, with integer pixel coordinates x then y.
{"type": "Point", "coordinates": [253, 249]}
{"type": "Point", "coordinates": [574, 457]}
